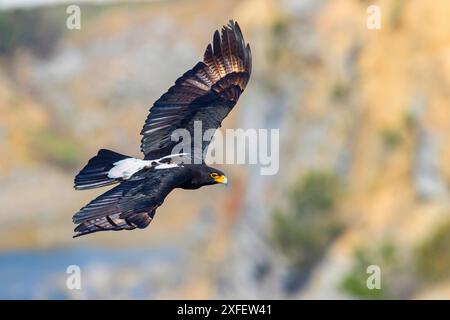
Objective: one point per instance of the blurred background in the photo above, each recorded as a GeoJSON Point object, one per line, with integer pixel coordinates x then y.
{"type": "Point", "coordinates": [364, 153]}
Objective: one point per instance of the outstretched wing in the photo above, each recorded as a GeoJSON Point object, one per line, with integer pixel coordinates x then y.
{"type": "Point", "coordinates": [204, 94]}
{"type": "Point", "coordinates": [130, 205]}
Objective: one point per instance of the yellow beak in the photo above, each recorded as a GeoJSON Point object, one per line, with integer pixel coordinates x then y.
{"type": "Point", "coordinates": [221, 179]}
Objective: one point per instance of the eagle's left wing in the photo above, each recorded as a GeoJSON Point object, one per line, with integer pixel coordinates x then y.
{"type": "Point", "coordinates": [130, 205]}
{"type": "Point", "coordinates": [204, 94]}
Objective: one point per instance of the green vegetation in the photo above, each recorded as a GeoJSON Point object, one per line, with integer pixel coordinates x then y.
{"type": "Point", "coordinates": [56, 149]}
{"type": "Point", "coordinates": [409, 120]}
{"type": "Point", "coordinates": [392, 138]}
{"type": "Point", "coordinates": [355, 281]}
{"type": "Point", "coordinates": [433, 255]}
{"type": "Point", "coordinates": [35, 29]}
{"type": "Point", "coordinates": [340, 91]}
{"type": "Point", "coordinates": [395, 16]}
{"type": "Point", "coordinates": [304, 232]}
{"type": "Point", "coordinates": [402, 276]}
{"type": "Point", "coordinates": [280, 28]}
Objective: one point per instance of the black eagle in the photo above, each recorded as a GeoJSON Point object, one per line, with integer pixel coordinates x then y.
{"type": "Point", "coordinates": [205, 94]}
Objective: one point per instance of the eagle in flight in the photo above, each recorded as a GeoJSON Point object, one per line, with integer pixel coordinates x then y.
{"type": "Point", "coordinates": [205, 94]}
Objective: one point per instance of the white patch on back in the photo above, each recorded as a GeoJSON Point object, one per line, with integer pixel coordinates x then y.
{"type": "Point", "coordinates": [166, 166]}
{"type": "Point", "coordinates": [125, 168]}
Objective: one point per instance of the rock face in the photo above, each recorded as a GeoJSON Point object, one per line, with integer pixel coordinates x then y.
{"type": "Point", "coordinates": [355, 110]}
{"type": "Point", "coordinates": [367, 105]}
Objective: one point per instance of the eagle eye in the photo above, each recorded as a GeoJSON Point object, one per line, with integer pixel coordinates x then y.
{"type": "Point", "coordinates": [214, 175]}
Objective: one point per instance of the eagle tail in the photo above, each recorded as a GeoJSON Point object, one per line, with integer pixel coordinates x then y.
{"type": "Point", "coordinates": [95, 173]}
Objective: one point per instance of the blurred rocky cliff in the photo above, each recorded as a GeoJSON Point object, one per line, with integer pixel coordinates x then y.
{"type": "Point", "coordinates": [364, 151]}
